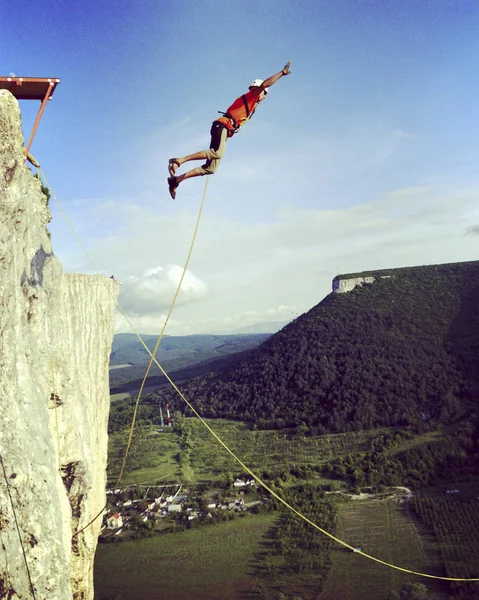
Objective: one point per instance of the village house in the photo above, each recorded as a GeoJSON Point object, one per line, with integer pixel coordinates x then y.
{"type": "Point", "coordinates": [114, 521]}
{"type": "Point", "coordinates": [176, 498]}
{"type": "Point", "coordinates": [244, 482]}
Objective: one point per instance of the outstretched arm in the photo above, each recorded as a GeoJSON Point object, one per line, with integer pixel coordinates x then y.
{"type": "Point", "coordinates": [274, 78]}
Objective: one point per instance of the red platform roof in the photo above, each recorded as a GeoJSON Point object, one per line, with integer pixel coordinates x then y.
{"type": "Point", "coordinates": [29, 88]}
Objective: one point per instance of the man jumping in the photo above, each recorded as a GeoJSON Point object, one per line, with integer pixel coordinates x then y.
{"type": "Point", "coordinates": [225, 127]}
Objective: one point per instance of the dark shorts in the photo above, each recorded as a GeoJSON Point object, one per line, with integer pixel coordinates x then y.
{"type": "Point", "coordinates": [216, 135]}
{"type": "Point", "coordinates": [219, 135]}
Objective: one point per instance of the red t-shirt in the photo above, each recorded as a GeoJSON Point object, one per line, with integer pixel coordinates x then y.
{"type": "Point", "coordinates": [241, 110]}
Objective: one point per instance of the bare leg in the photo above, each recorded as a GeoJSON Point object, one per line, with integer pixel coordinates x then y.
{"type": "Point", "coordinates": [196, 156]}
{"type": "Point", "coordinates": [211, 156]}
{"type": "Point", "coordinates": [175, 180]}
{"type": "Point", "coordinates": [194, 172]}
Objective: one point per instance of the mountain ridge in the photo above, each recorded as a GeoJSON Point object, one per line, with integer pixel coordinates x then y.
{"type": "Point", "coordinates": [399, 351]}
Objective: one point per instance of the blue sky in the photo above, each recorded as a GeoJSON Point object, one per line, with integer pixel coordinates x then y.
{"type": "Point", "coordinates": [365, 157]}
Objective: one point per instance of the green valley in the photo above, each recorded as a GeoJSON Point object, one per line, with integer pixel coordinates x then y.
{"type": "Point", "coordinates": [361, 415]}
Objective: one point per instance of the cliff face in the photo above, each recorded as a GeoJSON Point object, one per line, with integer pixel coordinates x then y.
{"type": "Point", "coordinates": [56, 331]}
{"type": "Point", "coordinates": [343, 284]}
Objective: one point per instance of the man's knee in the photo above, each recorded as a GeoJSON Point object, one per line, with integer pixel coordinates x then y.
{"type": "Point", "coordinates": [213, 155]}
{"type": "Point", "coordinates": [210, 166]}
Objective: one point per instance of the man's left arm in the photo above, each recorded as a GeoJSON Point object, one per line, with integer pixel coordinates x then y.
{"type": "Point", "coordinates": [274, 78]}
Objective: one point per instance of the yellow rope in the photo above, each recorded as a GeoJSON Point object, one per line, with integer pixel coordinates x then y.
{"type": "Point", "coordinates": [238, 460]}
{"type": "Point", "coordinates": [160, 337]}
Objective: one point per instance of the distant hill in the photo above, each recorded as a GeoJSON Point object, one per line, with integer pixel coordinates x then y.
{"type": "Point", "coordinates": [266, 327]}
{"type": "Point", "coordinates": [187, 356]}
{"type": "Point", "coordinates": [127, 349]}
{"type": "Point", "coordinates": [400, 348]}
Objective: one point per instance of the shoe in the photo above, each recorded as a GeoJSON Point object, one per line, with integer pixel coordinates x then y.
{"type": "Point", "coordinates": [171, 168]}
{"type": "Point", "coordinates": [173, 186]}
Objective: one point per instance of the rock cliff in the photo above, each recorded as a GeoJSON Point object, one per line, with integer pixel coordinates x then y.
{"type": "Point", "coordinates": [343, 283]}
{"type": "Point", "coordinates": [56, 331]}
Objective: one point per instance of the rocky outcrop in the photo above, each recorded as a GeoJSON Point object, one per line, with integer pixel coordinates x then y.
{"type": "Point", "coordinates": [340, 286]}
{"type": "Point", "coordinates": [346, 284]}
{"type": "Point", "coordinates": [56, 331]}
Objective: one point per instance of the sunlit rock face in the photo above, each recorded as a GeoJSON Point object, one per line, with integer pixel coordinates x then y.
{"type": "Point", "coordinates": [343, 284]}
{"type": "Point", "coordinates": [56, 331]}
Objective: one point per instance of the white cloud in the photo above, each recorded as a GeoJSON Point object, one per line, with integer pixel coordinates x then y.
{"type": "Point", "coordinates": [242, 273]}
{"type": "Point", "coordinates": [152, 323]}
{"type": "Point", "coordinates": [152, 292]}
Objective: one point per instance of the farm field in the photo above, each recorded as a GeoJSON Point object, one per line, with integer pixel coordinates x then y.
{"type": "Point", "coordinates": [264, 449]}
{"type": "Point", "coordinates": [208, 563]}
{"type": "Point", "coordinates": [155, 456]}
{"type": "Point", "coordinates": [385, 530]}
{"type": "Point", "coordinates": [158, 453]}
{"type": "Point", "coordinates": [455, 523]}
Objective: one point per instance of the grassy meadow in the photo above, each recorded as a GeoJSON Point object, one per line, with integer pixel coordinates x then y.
{"type": "Point", "coordinates": [152, 456]}
{"type": "Point", "coordinates": [209, 563]}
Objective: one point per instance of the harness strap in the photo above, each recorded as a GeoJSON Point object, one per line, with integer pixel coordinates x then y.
{"type": "Point", "coordinates": [228, 116]}
{"type": "Point", "coordinates": [243, 97]}
{"type": "Point", "coordinates": [236, 127]}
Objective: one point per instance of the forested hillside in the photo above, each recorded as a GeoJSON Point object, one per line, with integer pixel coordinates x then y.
{"type": "Point", "coordinates": [403, 350]}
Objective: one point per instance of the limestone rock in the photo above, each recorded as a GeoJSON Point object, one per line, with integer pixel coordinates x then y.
{"type": "Point", "coordinates": [343, 284]}
{"type": "Point", "coordinates": [340, 286]}
{"type": "Point", "coordinates": [56, 331]}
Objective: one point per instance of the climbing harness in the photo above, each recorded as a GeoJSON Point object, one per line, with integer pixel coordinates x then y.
{"type": "Point", "coordinates": [235, 123]}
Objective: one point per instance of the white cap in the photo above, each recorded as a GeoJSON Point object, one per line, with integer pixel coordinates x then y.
{"type": "Point", "coordinates": [257, 83]}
